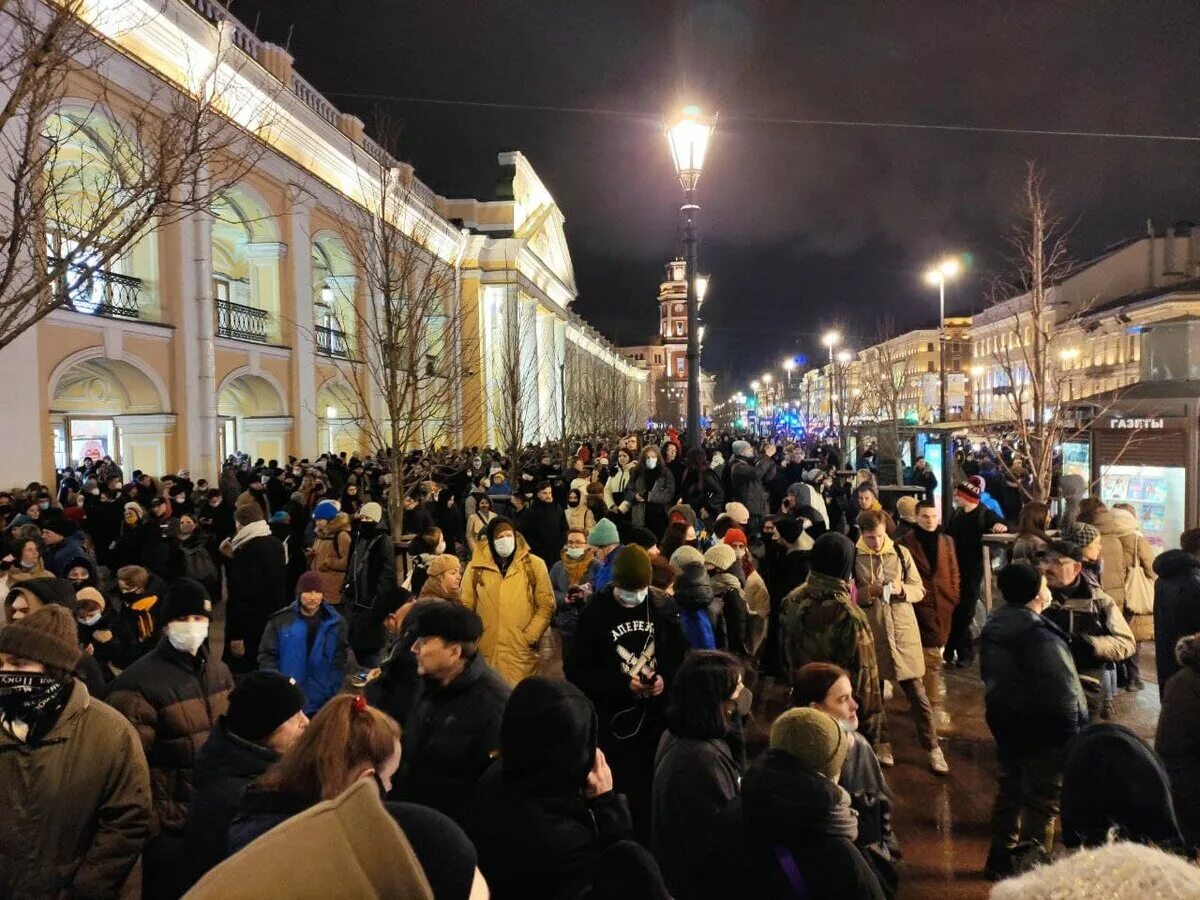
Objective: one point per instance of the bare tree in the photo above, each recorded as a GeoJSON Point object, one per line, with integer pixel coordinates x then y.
{"type": "Point", "coordinates": [67, 215]}
{"type": "Point", "coordinates": [886, 376]}
{"type": "Point", "coordinates": [516, 373]}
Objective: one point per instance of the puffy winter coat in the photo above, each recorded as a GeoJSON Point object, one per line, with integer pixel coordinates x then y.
{"type": "Point", "coordinates": [1176, 608]}
{"type": "Point", "coordinates": [747, 479]}
{"type": "Point", "coordinates": [76, 805]}
{"type": "Point", "coordinates": [331, 556]}
{"type": "Point", "coordinates": [936, 608]}
{"type": "Point", "coordinates": [1121, 548]}
{"type": "Point", "coordinates": [893, 622]}
{"type": "Point", "coordinates": [516, 606]}
{"type": "Point", "coordinates": [284, 649]}
{"type": "Point", "coordinates": [1178, 738]}
{"type": "Point", "coordinates": [1032, 692]}
{"type": "Point", "coordinates": [173, 700]}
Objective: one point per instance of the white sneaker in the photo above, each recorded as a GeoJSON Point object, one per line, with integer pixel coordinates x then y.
{"type": "Point", "coordinates": [888, 690]}
{"type": "Point", "coordinates": [937, 762]}
{"type": "Point", "coordinates": [884, 753]}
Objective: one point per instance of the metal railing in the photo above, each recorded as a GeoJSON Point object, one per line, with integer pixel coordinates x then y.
{"type": "Point", "coordinates": [97, 292]}
{"type": "Point", "coordinates": [332, 342]}
{"type": "Point", "coordinates": [242, 323]}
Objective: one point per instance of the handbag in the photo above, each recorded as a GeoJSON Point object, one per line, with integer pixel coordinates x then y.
{"type": "Point", "coordinates": [1139, 591]}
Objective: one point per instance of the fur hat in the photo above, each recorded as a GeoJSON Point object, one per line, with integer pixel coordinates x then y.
{"type": "Point", "coordinates": [720, 556]}
{"type": "Point", "coordinates": [1119, 869]}
{"type": "Point", "coordinates": [631, 568]}
{"type": "Point", "coordinates": [48, 636]}
{"type": "Point", "coordinates": [812, 736]}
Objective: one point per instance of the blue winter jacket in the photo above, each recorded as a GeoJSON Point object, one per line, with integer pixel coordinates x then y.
{"type": "Point", "coordinates": [284, 649]}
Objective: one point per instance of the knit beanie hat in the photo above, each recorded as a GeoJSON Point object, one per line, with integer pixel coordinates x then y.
{"type": "Point", "coordinates": [1082, 534]}
{"type": "Point", "coordinates": [326, 510]}
{"type": "Point", "coordinates": [720, 556]}
{"type": "Point", "coordinates": [736, 536]}
{"type": "Point", "coordinates": [643, 537]}
{"type": "Point", "coordinates": [89, 595]}
{"type": "Point", "coordinates": [48, 636]}
{"type": "Point", "coordinates": [441, 564]}
{"type": "Point", "coordinates": [687, 555]}
{"type": "Point", "coordinates": [812, 736]}
{"type": "Point", "coordinates": [631, 568]}
{"type": "Point", "coordinates": [832, 554]}
{"type": "Point", "coordinates": [906, 508]}
{"type": "Point", "coordinates": [789, 529]}
{"type": "Point", "coordinates": [371, 512]}
{"type": "Point", "coordinates": [1019, 583]}
{"type": "Point", "coordinates": [186, 597]}
{"type": "Point", "coordinates": [603, 534]}
{"type": "Point", "coordinates": [737, 512]}
{"type": "Point", "coordinates": [310, 583]}
{"type": "Point", "coordinates": [969, 491]}
{"type": "Point", "coordinates": [260, 702]}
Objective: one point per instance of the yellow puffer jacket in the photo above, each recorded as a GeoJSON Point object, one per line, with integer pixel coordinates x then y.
{"type": "Point", "coordinates": [516, 608]}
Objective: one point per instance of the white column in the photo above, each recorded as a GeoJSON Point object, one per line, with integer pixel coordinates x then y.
{"type": "Point", "coordinates": [203, 447]}
{"type": "Point", "coordinates": [304, 380]}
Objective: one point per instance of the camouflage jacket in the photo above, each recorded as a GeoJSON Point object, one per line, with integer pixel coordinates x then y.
{"type": "Point", "coordinates": [819, 623]}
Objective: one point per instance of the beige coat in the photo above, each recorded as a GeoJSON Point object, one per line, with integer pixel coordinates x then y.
{"type": "Point", "coordinates": [331, 556]}
{"type": "Point", "coordinates": [1122, 547]}
{"type": "Point", "coordinates": [516, 608]}
{"type": "Point", "coordinates": [893, 624]}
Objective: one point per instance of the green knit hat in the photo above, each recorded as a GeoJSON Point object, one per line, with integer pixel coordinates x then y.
{"type": "Point", "coordinates": [631, 568]}
{"type": "Point", "coordinates": [814, 737]}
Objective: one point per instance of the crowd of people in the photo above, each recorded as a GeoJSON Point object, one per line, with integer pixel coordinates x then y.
{"type": "Point", "coordinates": [618, 668]}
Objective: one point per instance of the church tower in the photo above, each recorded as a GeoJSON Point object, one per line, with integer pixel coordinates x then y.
{"type": "Point", "coordinates": [672, 320]}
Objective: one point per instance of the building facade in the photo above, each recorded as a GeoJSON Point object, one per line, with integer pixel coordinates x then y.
{"type": "Point", "coordinates": [241, 326]}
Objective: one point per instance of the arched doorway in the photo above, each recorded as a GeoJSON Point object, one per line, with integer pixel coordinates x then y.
{"type": "Point", "coordinates": [252, 417]}
{"type": "Point", "coordinates": [109, 407]}
{"type": "Point", "coordinates": [339, 417]}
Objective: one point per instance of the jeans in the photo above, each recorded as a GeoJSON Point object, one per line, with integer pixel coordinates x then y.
{"type": "Point", "coordinates": [922, 714]}
{"type": "Point", "coordinates": [959, 641]}
{"type": "Point", "coordinates": [1027, 796]}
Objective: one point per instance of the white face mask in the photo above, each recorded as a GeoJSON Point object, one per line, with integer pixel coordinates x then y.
{"type": "Point", "coordinates": [651, 462]}
{"type": "Point", "coordinates": [187, 636]}
{"type": "Point", "coordinates": [91, 620]}
{"type": "Point", "coordinates": [629, 598]}
{"type": "Point", "coordinates": [576, 552]}
{"type": "Point", "coordinates": [505, 545]}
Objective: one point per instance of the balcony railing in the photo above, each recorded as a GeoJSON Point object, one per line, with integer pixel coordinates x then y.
{"type": "Point", "coordinates": [242, 323]}
{"type": "Point", "coordinates": [332, 342]}
{"type": "Point", "coordinates": [97, 292]}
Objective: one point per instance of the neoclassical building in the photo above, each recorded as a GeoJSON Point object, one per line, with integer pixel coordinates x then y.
{"type": "Point", "coordinates": [232, 328]}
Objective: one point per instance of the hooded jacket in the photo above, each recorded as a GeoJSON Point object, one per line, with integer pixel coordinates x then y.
{"type": "Point", "coordinates": [1122, 546]}
{"type": "Point", "coordinates": [1176, 609]}
{"type": "Point", "coordinates": [694, 594]}
{"type": "Point", "coordinates": [76, 805]}
{"type": "Point", "coordinates": [1178, 738]}
{"type": "Point", "coordinates": [786, 807]}
{"type": "Point", "coordinates": [537, 835]}
{"type": "Point", "coordinates": [1032, 691]}
{"type": "Point", "coordinates": [516, 604]}
{"type": "Point", "coordinates": [747, 479]}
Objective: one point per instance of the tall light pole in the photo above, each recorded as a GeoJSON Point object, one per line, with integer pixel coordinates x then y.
{"type": "Point", "coordinates": [938, 275]}
{"type": "Point", "coordinates": [688, 138]}
{"type": "Point", "coordinates": [831, 339]}
{"type": "Point", "coordinates": [789, 366]}
{"type": "Point", "coordinates": [844, 358]}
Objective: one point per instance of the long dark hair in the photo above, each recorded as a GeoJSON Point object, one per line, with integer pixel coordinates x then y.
{"type": "Point", "coordinates": [1033, 518]}
{"type": "Point", "coordinates": [700, 692]}
{"type": "Point", "coordinates": [673, 538]}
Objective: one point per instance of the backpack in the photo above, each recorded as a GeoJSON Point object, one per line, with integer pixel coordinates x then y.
{"type": "Point", "coordinates": [545, 647]}
{"type": "Point", "coordinates": [198, 564]}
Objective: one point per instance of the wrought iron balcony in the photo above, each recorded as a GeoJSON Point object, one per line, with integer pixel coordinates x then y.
{"type": "Point", "coordinates": [242, 323]}
{"type": "Point", "coordinates": [97, 292]}
{"type": "Point", "coordinates": [332, 342]}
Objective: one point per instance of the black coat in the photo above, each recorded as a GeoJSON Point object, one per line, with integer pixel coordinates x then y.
{"type": "Point", "coordinates": [226, 766]}
{"type": "Point", "coordinates": [370, 575]}
{"type": "Point", "coordinates": [257, 589]}
{"type": "Point", "coordinates": [786, 807]}
{"type": "Point", "coordinates": [1176, 609]}
{"type": "Point", "coordinates": [702, 491]}
{"type": "Point", "coordinates": [544, 526]}
{"type": "Point", "coordinates": [1178, 740]}
{"type": "Point", "coordinates": [450, 737]}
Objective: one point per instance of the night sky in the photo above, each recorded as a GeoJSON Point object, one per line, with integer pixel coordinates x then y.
{"type": "Point", "coordinates": [802, 226]}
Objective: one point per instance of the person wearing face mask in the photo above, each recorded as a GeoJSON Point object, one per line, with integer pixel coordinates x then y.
{"type": "Point", "coordinates": [141, 610]}
{"type": "Point", "coordinates": [81, 572]}
{"type": "Point", "coordinates": [370, 574]}
{"type": "Point", "coordinates": [510, 589]}
{"type": "Point", "coordinates": [572, 577]}
{"type": "Point", "coordinates": [827, 687]}
{"type": "Point", "coordinates": [173, 696]}
{"type": "Point", "coordinates": [192, 547]}
{"type": "Point", "coordinates": [627, 649]}
{"type": "Point", "coordinates": [650, 492]}
{"type": "Point", "coordinates": [579, 514]}
{"type": "Point", "coordinates": [100, 631]}
{"type": "Point", "coordinates": [698, 767]}
{"type": "Point", "coordinates": [1035, 705]}
{"type": "Point", "coordinates": [74, 785]}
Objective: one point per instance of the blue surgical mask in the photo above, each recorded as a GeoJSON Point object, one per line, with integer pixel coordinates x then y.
{"type": "Point", "coordinates": [630, 598]}
{"type": "Point", "coordinates": [651, 462]}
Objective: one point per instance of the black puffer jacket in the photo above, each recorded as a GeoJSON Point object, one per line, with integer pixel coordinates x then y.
{"type": "Point", "coordinates": [747, 479]}
{"type": "Point", "coordinates": [1176, 609]}
{"type": "Point", "coordinates": [1033, 695]}
{"type": "Point", "coordinates": [786, 807]}
{"type": "Point", "coordinates": [450, 738]}
{"type": "Point", "coordinates": [173, 700]}
{"type": "Point", "coordinates": [1178, 738]}
{"type": "Point", "coordinates": [544, 526]}
{"type": "Point", "coordinates": [531, 815]}
{"type": "Point", "coordinates": [226, 766]}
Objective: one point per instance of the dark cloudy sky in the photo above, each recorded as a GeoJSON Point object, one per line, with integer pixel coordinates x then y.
{"type": "Point", "coordinates": [802, 226]}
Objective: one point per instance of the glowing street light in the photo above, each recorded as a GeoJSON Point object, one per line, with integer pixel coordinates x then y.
{"type": "Point", "coordinates": [937, 276]}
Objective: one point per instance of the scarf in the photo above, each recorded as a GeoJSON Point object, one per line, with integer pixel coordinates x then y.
{"type": "Point", "coordinates": [31, 702]}
{"type": "Point", "coordinates": [929, 541]}
{"type": "Point", "coordinates": [250, 532]}
{"type": "Point", "coordinates": [576, 567]}
{"type": "Point", "coordinates": [145, 615]}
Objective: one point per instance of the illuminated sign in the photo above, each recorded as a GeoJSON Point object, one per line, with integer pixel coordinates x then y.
{"type": "Point", "coordinates": [1134, 424]}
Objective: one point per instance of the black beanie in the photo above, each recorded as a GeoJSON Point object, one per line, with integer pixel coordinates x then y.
{"type": "Point", "coordinates": [832, 554]}
{"type": "Point", "coordinates": [186, 597]}
{"type": "Point", "coordinates": [1019, 583]}
{"type": "Point", "coordinates": [789, 529]}
{"type": "Point", "coordinates": [261, 702]}
{"type": "Point", "coordinates": [643, 537]}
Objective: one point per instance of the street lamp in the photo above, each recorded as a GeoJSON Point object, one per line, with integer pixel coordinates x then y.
{"type": "Point", "coordinates": [938, 275]}
{"type": "Point", "coordinates": [789, 366]}
{"type": "Point", "coordinates": [831, 339]}
{"type": "Point", "coordinates": [977, 373]}
{"type": "Point", "coordinates": [688, 138]}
